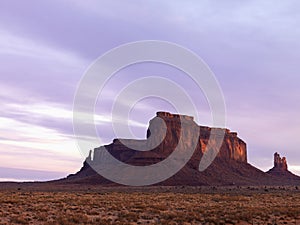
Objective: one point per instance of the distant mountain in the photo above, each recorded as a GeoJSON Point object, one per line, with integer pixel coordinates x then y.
{"type": "Point", "coordinates": [230, 167]}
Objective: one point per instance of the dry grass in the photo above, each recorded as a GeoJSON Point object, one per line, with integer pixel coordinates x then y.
{"type": "Point", "coordinates": [36, 207]}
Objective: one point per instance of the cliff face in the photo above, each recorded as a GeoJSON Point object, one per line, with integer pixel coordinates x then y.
{"type": "Point", "coordinates": [163, 136]}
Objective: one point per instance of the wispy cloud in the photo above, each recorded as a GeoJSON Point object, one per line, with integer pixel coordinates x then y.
{"type": "Point", "coordinates": [14, 174]}
{"type": "Point", "coordinates": [11, 44]}
{"type": "Point", "coordinates": [25, 135]}
{"type": "Point", "coordinates": [26, 144]}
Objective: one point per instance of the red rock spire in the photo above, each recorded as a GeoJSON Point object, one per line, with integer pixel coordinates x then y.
{"type": "Point", "coordinates": [279, 162]}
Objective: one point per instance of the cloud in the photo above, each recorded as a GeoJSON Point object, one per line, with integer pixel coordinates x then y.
{"type": "Point", "coordinates": [11, 44]}
{"type": "Point", "coordinates": [17, 175]}
{"type": "Point", "coordinates": [26, 133]}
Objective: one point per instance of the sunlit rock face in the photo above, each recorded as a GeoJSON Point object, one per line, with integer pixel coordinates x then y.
{"type": "Point", "coordinates": [168, 132]}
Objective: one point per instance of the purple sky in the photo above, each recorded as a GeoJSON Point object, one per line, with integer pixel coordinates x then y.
{"type": "Point", "coordinates": [46, 46]}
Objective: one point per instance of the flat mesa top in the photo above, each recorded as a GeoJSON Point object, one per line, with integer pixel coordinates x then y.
{"type": "Point", "coordinates": [170, 115]}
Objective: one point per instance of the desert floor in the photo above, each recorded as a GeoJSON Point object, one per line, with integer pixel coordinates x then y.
{"type": "Point", "coordinates": [42, 204]}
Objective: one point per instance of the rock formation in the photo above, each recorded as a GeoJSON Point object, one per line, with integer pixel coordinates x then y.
{"type": "Point", "coordinates": [280, 168]}
{"type": "Point", "coordinates": [280, 163]}
{"type": "Point", "coordinates": [168, 125]}
{"type": "Point", "coordinates": [168, 131]}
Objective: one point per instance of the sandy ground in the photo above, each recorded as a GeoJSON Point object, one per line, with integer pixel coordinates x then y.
{"type": "Point", "coordinates": [44, 204]}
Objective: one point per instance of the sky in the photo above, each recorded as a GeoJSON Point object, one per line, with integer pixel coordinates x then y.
{"type": "Point", "coordinates": [46, 47]}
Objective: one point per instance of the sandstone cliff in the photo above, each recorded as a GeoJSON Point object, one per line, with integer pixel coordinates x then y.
{"type": "Point", "coordinates": [168, 125]}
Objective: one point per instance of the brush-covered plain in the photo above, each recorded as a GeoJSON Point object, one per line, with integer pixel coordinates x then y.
{"type": "Point", "coordinates": [160, 205]}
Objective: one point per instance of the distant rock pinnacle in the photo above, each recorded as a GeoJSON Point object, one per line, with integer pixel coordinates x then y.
{"type": "Point", "coordinates": [280, 168]}
{"type": "Point", "coordinates": [280, 163]}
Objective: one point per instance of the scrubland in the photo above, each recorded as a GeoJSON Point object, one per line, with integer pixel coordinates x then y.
{"type": "Point", "coordinates": [160, 206]}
